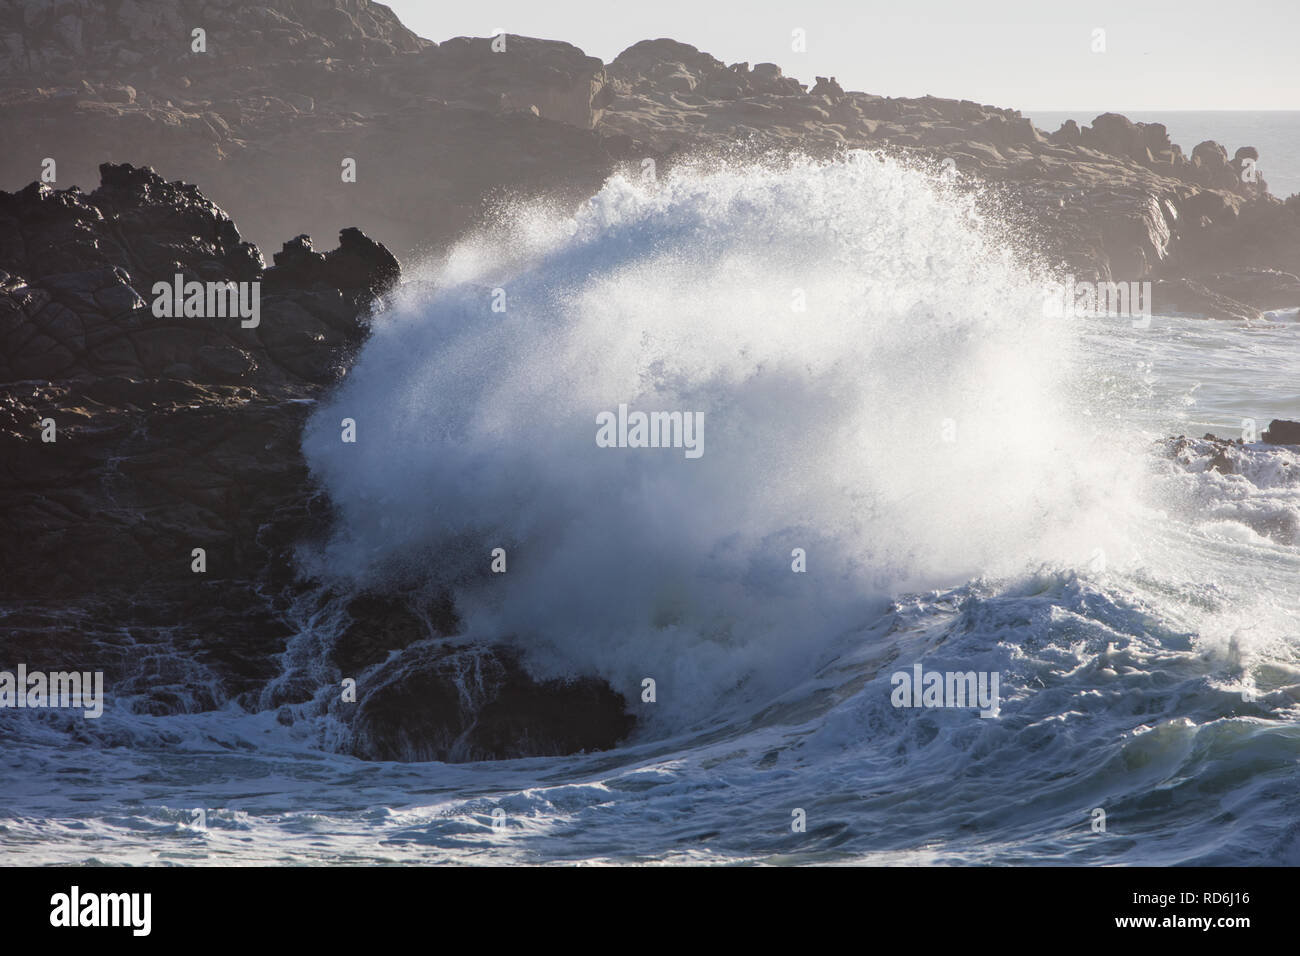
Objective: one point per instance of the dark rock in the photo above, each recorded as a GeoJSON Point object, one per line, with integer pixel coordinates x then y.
{"type": "Point", "coordinates": [358, 267]}
{"type": "Point", "coordinates": [462, 703]}
{"type": "Point", "coordinates": [827, 87]}
{"type": "Point", "coordinates": [172, 434]}
{"type": "Point", "coordinates": [1282, 432]}
{"type": "Point", "coordinates": [383, 623]}
{"type": "Point", "coordinates": [81, 269]}
{"type": "Point", "coordinates": [176, 434]}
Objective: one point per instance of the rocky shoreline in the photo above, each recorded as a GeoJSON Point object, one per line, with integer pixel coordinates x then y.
{"type": "Point", "coordinates": [128, 440]}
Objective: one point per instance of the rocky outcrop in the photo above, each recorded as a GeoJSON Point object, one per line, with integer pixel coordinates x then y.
{"type": "Point", "coordinates": [129, 439]}
{"type": "Point", "coordinates": [1115, 200]}
{"type": "Point", "coordinates": [507, 73]}
{"type": "Point", "coordinates": [285, 94]}
{"type": "Point", "coordinates": [80, 269]}
{"type": "Point", "coordinates": [51, 39]}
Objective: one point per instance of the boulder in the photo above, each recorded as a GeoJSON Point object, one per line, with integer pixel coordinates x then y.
{"type": "Point", "coordinates": [457, 703]}
{"type": "Point", "coordinates": [1281, 432]}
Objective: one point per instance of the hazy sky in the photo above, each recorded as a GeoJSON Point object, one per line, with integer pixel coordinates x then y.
{"type": "Point", "coordinates": [1024, 54]}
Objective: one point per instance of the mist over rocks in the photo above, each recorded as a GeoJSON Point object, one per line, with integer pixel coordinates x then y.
{"type": "Point", "coordinates": [129, 440]}
{"type": "Point", "coordinates": [1270, 460]}
{"type": "Point", "coordinates": [440, 132]}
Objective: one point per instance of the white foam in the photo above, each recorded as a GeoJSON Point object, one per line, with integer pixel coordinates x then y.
{"type": "Point", "coordinates": [824, 429]}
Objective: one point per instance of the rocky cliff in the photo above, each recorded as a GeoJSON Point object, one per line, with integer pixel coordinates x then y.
{"type": "Point", "coordinates": [282, 94]}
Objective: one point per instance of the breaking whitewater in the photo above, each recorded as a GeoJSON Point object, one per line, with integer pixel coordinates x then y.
{"type": "Point", "coordinates": [890, 481]}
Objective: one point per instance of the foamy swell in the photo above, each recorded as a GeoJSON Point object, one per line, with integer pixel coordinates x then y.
{"type": "Point", "coordinates": [914, 425]}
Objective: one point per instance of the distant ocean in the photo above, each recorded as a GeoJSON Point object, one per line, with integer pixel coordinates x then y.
{"type": "Point", "coordinates": [1275, 133]}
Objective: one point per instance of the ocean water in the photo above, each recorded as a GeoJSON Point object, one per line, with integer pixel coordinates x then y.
{"type": "Point", "coordinates": [1275, 133]}
{"type": "Point", "coordinates": [976, 488]}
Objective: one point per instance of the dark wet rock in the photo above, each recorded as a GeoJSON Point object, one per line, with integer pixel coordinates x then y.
{"type": "Point", "coordinates": [1281, 432]}
{"type": "Point", "coordinates": [170, 434]}
{"type": "Point", "coordinates": [1223, 462]}
{"type": "Point", "coordinates": [461, 703]}
{"type": "Point", "coordinates": [360, 267]}
{"type": "Point", "coordinates": [1207, 454]}
{"type": "Point", "coordinates": [1257, 462]}
{"type": "Point", "coordinates": [81, 270]}
{"type": "Point", "coordinates": [383, 623]}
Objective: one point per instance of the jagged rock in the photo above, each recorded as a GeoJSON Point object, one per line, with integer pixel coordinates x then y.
{"type": "Point", "coordinates": [359, 266]}
{"type": "Point", "coordinates": [176, 434]}
{"type": "Point", "coordinates": [81, 269]}
{"type": "Point", "coordinates": [827, 87]}
{"type": "Point", "coordinates": [79, 345]}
